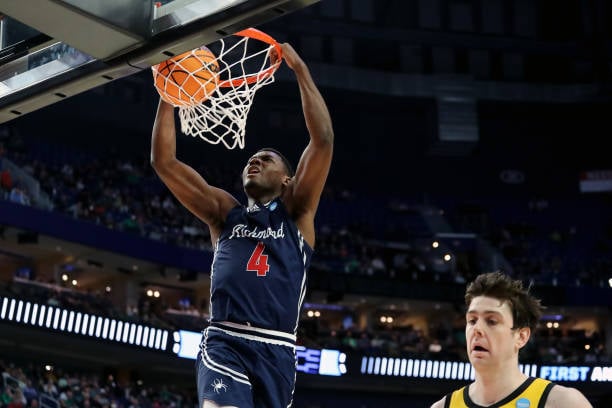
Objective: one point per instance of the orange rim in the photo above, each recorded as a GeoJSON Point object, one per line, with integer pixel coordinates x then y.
{"type": "Point", "coordinates": [253, 78]}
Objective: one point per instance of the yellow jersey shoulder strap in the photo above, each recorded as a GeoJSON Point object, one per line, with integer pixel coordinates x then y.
{"type": "Point", "coordinates": [531, 394]}
{"type": "Point", "coordinates": [455, 399]}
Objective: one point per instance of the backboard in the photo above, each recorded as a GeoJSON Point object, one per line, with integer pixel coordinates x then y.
{"type": "Point", "coordinates": [53, 49]}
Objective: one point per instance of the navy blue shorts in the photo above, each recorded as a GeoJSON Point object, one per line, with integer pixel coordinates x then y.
{"type": "Point", "coordinates": [246, 367]}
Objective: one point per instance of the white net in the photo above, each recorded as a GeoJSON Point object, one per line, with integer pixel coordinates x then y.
{"type": "Point", "coordinates": [246, 64]}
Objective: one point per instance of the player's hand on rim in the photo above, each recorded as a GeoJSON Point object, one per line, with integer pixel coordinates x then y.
{"type": "Point", "coordinates": [290, 56]}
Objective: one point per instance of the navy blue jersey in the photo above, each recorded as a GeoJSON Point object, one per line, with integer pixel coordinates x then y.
{"type": "Point", "coordinates": [258, 275]}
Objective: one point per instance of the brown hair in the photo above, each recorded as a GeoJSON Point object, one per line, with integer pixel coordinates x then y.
{"type": "Point", "coordinates": [526, 309]}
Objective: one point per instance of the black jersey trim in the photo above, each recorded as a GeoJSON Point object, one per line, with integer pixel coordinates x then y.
{"type": "Point", "coordinates": [545, 393]}
{"type": "Point", "coordinates": [513, 395]}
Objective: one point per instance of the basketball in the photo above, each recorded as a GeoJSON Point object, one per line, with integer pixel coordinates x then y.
{"type": "Point", "coordinates": [187, 79]}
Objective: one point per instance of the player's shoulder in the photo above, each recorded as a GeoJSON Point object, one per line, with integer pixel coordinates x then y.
{"type": "Point", "coordinates": [561, 397]}
{"type": "Point", "coordinates": [439, 403]}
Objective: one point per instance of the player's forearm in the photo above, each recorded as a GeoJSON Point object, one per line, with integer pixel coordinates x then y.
{"type": "Point", "coordinates": [163, 139]}
{"type": "Point", "coordinates": [316, 114]}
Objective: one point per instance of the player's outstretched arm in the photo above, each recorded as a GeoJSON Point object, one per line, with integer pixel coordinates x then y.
{"type": "Point", "coordinates": [208, 203]}
{"type": "Point", "coordinates": [566, 397]}
{"type": "Point", "coordinates": [304, 193]}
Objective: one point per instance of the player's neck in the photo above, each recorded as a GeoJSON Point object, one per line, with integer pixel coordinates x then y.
{"type": "Point", "coordinates": [261, 201]}
{"type": "Point", "coordinates": [495, 384]}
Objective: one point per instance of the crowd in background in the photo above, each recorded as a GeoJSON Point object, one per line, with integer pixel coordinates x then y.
{"type": "Point", "coordinates": [37, 385]}
{"type": "Point", "coordinates": [125, 195]}
{"type": "Point", "coordinates": [437, 340]}
{"type": "Point", "coordinates": [356, 234]}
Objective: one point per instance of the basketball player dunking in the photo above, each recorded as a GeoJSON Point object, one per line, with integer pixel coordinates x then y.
{"type": "Point", "coordinates": [261, 254]}
{"type": "Point", "coordinates": [500, 318]}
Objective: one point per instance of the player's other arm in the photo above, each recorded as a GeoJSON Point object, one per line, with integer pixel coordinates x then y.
{"type": "Point", "coordinates": [566, 397]}
{"type": "Point", "coordinates": [304, 193]}
{"type": "Point", "coordinates": [208, 203]}
{"type": "Point", "coordinates": [439, 404]}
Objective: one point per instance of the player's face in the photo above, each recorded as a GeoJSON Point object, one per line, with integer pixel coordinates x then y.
{"type": "Point", "coordinates": [491, 341]}
{"type": "Point", "coordinates": [264, 170]}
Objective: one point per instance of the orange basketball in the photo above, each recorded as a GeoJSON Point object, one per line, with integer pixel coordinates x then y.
{"type": "Point", "coordinates": [187, 79]}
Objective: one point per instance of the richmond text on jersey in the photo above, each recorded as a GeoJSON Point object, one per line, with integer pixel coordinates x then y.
{"type": "Point", "coordinates": [259, 269]}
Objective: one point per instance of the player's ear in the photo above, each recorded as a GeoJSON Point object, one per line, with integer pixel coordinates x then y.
{"type": "Point", "coordinates": [523, 336]}
{"type": "Point", "coordinates": [287, 180]}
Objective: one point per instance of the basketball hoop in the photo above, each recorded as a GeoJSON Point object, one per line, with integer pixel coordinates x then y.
{"type": "Point", "coordinates": [247, 62]}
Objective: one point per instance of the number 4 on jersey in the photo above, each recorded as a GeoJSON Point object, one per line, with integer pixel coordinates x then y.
{"type": "Point", "coordinates": [258, 262]}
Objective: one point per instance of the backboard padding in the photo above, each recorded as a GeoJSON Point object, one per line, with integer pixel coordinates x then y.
{"type": "Point", "coordinates": [110, 48]}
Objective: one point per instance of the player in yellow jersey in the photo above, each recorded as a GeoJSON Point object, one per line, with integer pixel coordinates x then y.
{"type": "Point", "coordinates": [500, 317]}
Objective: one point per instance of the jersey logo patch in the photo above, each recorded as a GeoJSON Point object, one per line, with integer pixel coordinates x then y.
{"type": "Point", "coordinates": [218, 385]}
{"type": "Point", "coordinates": [523, 403]}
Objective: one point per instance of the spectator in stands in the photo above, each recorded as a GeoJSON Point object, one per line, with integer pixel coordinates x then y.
{"type": "Point", "coordinates": [18, 400]}
{"type": "Point", "coordinates": [6, 183]}
{"type": "Point", "coordinates": [48, 387]}
{"type": "Point", "coordinates": [18, 195]}
{"type": "Point", "coordinates": [29, 391]}
{"type": "Point", "coordinates": [500, 318]}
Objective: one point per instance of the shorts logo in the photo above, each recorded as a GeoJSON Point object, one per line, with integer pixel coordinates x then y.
{"type": "Point", "coordinates": [218, 385]}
